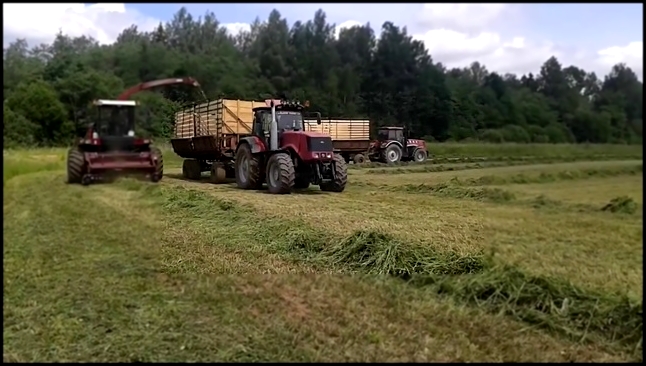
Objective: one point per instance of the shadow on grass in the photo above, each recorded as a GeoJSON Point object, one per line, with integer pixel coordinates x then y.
{"type": "Point", "coordinates": [231, 183]}
{"type": "Point", "coordinates": [203, 179]}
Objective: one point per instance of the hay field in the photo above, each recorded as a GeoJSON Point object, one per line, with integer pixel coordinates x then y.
{"type": "Point", "coordinates": [488, 253]}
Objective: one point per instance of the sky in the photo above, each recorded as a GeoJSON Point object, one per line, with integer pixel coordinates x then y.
{"type": "Point", "coordinates": [514, 38]}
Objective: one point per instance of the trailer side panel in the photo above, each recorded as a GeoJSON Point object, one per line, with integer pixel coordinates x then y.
{"type": "Point", "coordinates": [212, 128]}
{"type": "Point", "coordinates": [341, 129]}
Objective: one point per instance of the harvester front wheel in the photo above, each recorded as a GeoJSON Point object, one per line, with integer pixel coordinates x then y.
{"type": "Point", "coordinates": [191, 169]}
{"type": "Point", "coordinates": [340, 177]}
{"type": "Point", "coordinates": [247, 168]}
{"type": "Point", "coordinates": [75, 166]}
{"type": "Point", "coordinates": [280, 174]}
{"type": "Point", "coordinates": [159, 164]}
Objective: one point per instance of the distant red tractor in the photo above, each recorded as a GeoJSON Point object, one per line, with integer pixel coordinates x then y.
{"type": "Point", "coordinates": [392, 146]}
{"type": "Point", "coordinates": [280, 153]}
{"type": "Point", "coordinates": [111, 148]}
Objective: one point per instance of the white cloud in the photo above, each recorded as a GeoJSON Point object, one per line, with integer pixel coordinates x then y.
{"type": "Point", "coordinates": [631, 54]}
{"type": "Point", "coordinates": [458, 34]}
{"type": "Point", "coordinates": [516, 54]}
{"type": "Point", "coordinates": [460, 17]}
{"type": "Point", "coordinates": [235, 28]}
{"type": "Point", "coordinates": [345, 25]}
{"type": "Point", "coordinates": [41, 22]}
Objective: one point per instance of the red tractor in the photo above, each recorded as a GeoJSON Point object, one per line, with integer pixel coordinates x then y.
{"type": "Point", "coordinates": [392, 146]}
{"type": "Point", "coordinates": [110, 147]}
{"type": "Point", "coordinates": [282, 154]}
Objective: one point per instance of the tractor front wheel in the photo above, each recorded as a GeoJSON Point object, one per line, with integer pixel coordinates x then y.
{"type": "Point", "coordinates": [419, 155]}
{"type": "Point", "coordinates": [340, 177]}
{"type": "Point", "coordinates": [75, 166]}
{"type": "Point", "coordinates": [247, 168]}
{"type": "Point", "coordinates": [159, 165]}
{"type": "Point", "coordinates": [280, 174]}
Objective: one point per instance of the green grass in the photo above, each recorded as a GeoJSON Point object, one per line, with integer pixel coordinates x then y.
{"type": "Point", "coordinates": [191, 271]}
{"type": "Point", "coordinates": [523, 150]}
{"type": "Point", "coordinates": [19, 162]}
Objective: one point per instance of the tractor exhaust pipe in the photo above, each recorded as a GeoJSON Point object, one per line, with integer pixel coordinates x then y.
{"type": "Point", "coordinates": [273, 129]}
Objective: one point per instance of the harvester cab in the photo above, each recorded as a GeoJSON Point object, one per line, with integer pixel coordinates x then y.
{"type": "Point", "coordinates": [110, 147]}
{"type": "Point", "coordinates": [114, 126]}
{"type": "Point", "coordinates": [394, 145]}
{"type": "Point", "coordinates": [285, 156]}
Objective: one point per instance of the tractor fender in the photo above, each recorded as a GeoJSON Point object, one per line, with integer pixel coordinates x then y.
{"type": "Point", "coordinates": [388, 143]}
{"type": "Point", "coordinates": [255, 143]}
{"type": "Point", "coordinates": [291, 149]}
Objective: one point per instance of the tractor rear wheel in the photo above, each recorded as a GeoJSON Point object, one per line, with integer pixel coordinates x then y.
{"type": "Point", "coordinates": [280, 174]}
{"type": "Point", "coordinates": [419, 155]}
{"type": "Point", "coordinates": [392, 154]}
{"type": "Point", "coordinates": [191, 169]}
{"type": "Point", "coordinates": [159, 165]}
{"type": "Point", "coordinates": [75, 166]}
{"type": "Point", "coordinates": [340, 177]}
{"type": "Point", "coordinates": [359, 159]}
{"type": "Point", "coordinates": [247, 168]}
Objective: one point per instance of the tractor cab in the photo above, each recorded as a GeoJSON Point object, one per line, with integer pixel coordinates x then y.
{"type": "Point", "coordinates": [284, 116]}
{"type": "Point", "coordinates": [288, 115]}
{"type": "Point", "coordinates": [113, 128]}
{"type": "Point", "coordinates": [392, 134]}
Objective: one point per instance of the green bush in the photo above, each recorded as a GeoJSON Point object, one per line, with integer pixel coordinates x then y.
{"type": "Point", "coordinates": [515, 133]}
{"type": "Point", "coordinates": [494, 136]}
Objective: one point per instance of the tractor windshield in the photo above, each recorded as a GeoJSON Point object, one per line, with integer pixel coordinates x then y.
{"type": "Point", "coordinates": [288, 120]}
{"type": "Point", "coordinates": [390, 134]}
{"type": "Point", "coordinates": [115, 121]}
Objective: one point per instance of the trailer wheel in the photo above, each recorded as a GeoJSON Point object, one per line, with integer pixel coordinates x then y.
{"type": "Point", "coordinates": [191, 169]}
{"type": "Point", "coordinates": [247, 168]}
{"type": "Point", "coordinates": [218, 173]}
{"type": "Point", "coordinates": [159, 165]}
{"type": "Point", "coordinates": [75, 166]}
{"type": "Point", "coordinates": [359, 159]}
{"type": "Point", "coordinates": [280, 174]}
{"type": "Point", "coordinates": [420, 155]}
{"type": "Point", "coordinates": [340, 177]}
{"type": "Point", "coordinates": [392, 154]}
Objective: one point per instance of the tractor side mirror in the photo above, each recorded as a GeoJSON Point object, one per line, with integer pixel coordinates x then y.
{"type": "Point", "coordinates": [318, 118]}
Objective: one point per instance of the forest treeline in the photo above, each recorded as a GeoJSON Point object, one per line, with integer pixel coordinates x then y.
{"type": "Point", "coordinates": [391, 79]}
